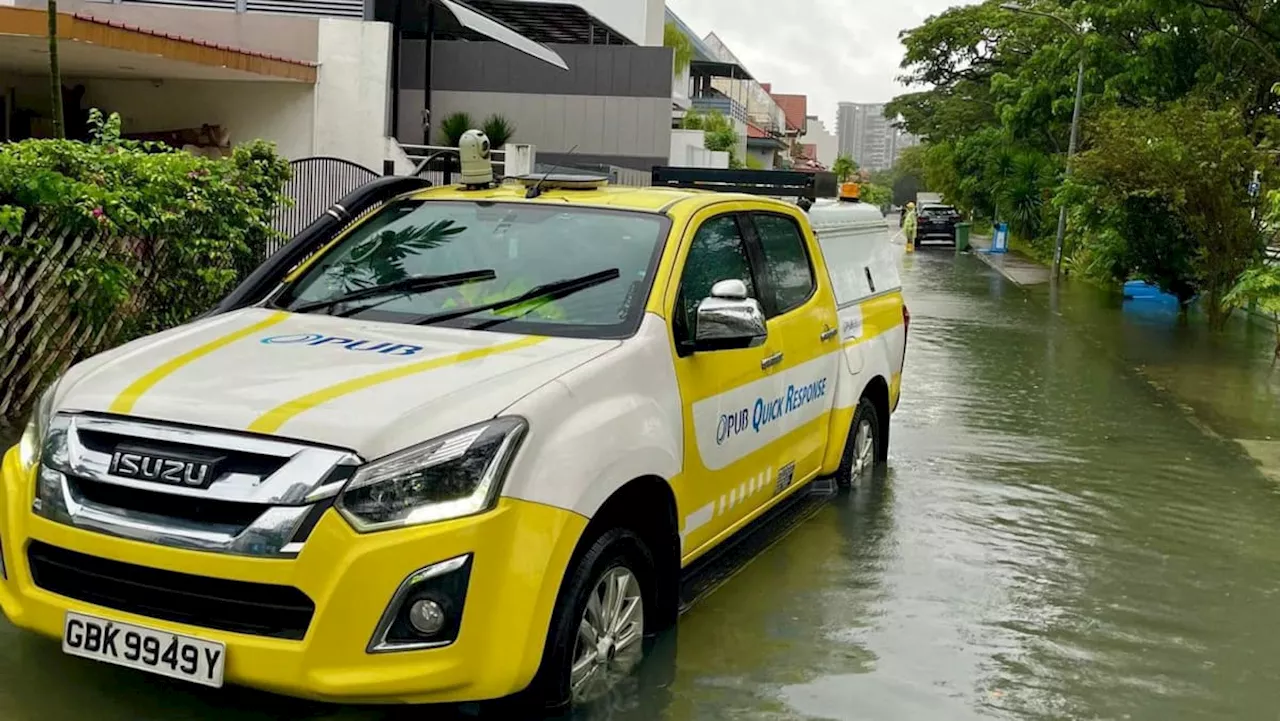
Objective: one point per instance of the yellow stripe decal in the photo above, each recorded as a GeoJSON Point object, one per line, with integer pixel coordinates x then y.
{"type": "Point", "coordinates": [129, 396]}
{"type": "Point", "coordinates": [271, 421]}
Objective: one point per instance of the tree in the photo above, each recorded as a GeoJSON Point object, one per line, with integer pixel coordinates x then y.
{"type": "Point", "coordinates": [1022, 184]}
{"type": "Point", "coordinates": [844, 168]}
{"type": "Point", "coordinates": [905, 189]}
{"type": "Point", "coordinates": [907, 175]}
{"type": "Point", "coordinates": [1260, 286]}
{"type": "Point", "coordinates": [681, 46]}
{"type": "Point", "coordinates": [55, 73]}
{"type": "Point", "coordinates": [994, 110]}
{"type": "Point", "coordinates": [720, 134]}
{"type": "Point", "coordinates": [1163, 194]}
{"type": "Point", "coordinates": [877, 195]}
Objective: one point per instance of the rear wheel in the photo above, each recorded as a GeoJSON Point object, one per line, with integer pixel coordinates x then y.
{"type": "Point", "coordinates": [865, 446]}
{"type": "Point", "coordinates": [597, 632]}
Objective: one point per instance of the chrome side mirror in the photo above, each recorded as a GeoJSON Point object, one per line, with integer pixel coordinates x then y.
{"type": "Point", "coordinates": [728, 319]}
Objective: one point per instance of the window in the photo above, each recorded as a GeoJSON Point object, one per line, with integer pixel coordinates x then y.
{"type": "Point", "coordinates": [786, 261]}
{"type": "Point", "coordinates": [524, 245]}
{"type": "Point", "coordinates": [718, 253]}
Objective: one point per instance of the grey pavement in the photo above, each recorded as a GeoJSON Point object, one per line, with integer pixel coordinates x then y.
{"type": "Point", "coordinates": [1019, 270]}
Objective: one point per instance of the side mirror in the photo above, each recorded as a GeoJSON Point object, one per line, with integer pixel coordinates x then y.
{"type": "Point", "coordinates": [728, 319]}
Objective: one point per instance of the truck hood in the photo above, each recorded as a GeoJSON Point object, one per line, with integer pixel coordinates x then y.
{"type": "Point", "coordinates": [367, 386]}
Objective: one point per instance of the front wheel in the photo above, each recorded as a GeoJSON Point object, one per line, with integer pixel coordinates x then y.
{"type": "Point", "coordinates": [597, 632]}
{"type": "Point", "coordinates": [865, 446]}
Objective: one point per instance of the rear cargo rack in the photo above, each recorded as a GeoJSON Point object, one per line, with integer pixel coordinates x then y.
{"type": "Point", "coordinates": [774, 183]}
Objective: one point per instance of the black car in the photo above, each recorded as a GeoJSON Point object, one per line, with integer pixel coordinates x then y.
{"type": "Point", "coordinates": [936, 222]}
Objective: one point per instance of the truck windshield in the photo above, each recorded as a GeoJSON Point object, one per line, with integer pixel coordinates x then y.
{"type": "Point", "coordinates": [500, 251]}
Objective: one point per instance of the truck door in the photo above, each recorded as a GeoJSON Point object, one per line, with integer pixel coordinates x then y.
{"type": "Point", "coordinates": [729, 464]}
{"type": "Point", "coordinates": [802, 315]}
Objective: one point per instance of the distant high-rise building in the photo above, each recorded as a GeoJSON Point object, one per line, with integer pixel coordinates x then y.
{"type": "Point", "coordinates": [866, 135]}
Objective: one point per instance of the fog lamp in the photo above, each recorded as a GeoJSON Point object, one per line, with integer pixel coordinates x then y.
{"type": "Point", "coordinates": [426, 617]}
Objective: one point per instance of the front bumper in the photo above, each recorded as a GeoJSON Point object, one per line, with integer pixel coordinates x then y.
{"type": "Point", "coordinates": [936, 230]}
{"type": "Point", "coordinates": [520, 551]}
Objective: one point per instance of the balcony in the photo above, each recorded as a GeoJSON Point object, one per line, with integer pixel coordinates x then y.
{"type": "Point", "coordinates": [707, 102]}
{"type": "Point", "coordinates": [767, 123]}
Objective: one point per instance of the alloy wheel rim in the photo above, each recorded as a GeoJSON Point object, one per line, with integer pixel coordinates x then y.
{"type": "Point", "coordinates": [608, 645]}
{"type": "Point", "coordinates": [864, 446]}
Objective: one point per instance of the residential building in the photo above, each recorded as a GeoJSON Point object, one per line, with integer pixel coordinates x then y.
{"type": "Point", "coordinates": [866, 135]}
{"type": "Point", "coordinates": [795, 111]}
{"type": "Point", "coordinates": [707, 85]}
{"type": "Point", "coordinates": [358, 79]}
{"type": "Point", "coordinates": [765, 142]}
{"type": "Point", "coordinates": [719, 82]}
{"type": "Point", "coordinates": [826, 146]}
{"type": "Point", "coordinates": [259, 79]}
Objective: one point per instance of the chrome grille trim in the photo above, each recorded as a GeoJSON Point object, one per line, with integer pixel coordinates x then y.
{"type": "Point", "coordinates": [309, 476]}
{"type": "Point", "coordinates": [296, 483]}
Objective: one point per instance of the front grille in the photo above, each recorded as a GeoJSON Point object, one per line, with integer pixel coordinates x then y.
{"type": "Point", "coordinates": [258, 609]}
{"type": "Point", "coordinates": [188, 508]}
{"type": "Point", "coordinates": [254, 464]}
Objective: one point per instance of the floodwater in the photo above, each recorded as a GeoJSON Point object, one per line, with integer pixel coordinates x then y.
{"type": "Point", "coordinates": [1073, 525]}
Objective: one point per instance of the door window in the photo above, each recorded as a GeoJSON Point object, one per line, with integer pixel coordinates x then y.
{"type": "Point", "coordinates": [718, 252]}
{"type": "Point", "coordinates": [786, 262]}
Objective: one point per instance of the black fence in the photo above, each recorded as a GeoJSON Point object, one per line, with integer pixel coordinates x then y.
{"type": "Point", "coordinates": [317, 183]}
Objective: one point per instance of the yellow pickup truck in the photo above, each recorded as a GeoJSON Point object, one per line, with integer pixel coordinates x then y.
{"type": "Point", "coordinates": [462, 450]}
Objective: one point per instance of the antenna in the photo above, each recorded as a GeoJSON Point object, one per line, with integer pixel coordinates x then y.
{"type": "Point", "coordinates": [536, 190]}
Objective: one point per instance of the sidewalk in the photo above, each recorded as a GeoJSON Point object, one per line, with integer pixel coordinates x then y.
{"type": "Point", "coordinates": [1019, 270]}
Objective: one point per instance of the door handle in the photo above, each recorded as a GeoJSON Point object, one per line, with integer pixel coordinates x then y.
{"type": "Point", "coordinates": [829, 333]}
{"type": "Point", "coordinates": [771, 361]}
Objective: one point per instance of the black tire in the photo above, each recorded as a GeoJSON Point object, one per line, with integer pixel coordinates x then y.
{"type": "Point", "coordinates": [866, 412]}
{"type": "Point", "coordinates": [613, 548]}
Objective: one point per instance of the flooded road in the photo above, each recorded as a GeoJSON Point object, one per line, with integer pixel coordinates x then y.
{"type": "Point", "coordinates": [1068, 529]}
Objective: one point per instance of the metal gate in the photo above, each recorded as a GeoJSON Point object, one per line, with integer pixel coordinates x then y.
{"type": "Point", "coordinates": [317, 183]}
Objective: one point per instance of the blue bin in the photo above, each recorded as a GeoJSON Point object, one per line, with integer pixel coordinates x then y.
{"type": "Point", "coordinates": [1000, 240]}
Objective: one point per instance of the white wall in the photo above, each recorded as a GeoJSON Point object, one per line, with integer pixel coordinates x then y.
{"type": "Point", "coordinates": [763, 157]}
{"type": "Point", "coordinates": [816, 133]}
{"type": "Point", "coordinates": [352, 94]}
{"type": "Point", "coordinates": [688, 150]}
{"type": "Point", "coordinates": [280, 112]}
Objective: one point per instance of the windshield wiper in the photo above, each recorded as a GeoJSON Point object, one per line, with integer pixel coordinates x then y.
{"type": "Point", "coordinates": [545, 293]}
{"type": "Point", "coordinates": [418, 284]}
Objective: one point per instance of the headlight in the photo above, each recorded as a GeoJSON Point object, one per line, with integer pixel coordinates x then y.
{"type": "Point", "coordinates": [456, 475]}
{"type": "Point", "coordinates": [29, 445]}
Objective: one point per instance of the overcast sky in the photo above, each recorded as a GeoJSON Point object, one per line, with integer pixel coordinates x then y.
{"type": "Point", "coordinates": [830, 50]}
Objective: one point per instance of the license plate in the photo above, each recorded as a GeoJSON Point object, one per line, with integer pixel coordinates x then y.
{"type": "Point", "coordinates": [159, 652]}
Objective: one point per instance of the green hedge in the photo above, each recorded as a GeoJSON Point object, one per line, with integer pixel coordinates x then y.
{"type": "Point", "coordinates": [105, 241]}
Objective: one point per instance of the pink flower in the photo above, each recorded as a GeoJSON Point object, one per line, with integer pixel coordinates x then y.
{"type": "Point", "coordinates": [97, 212]}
